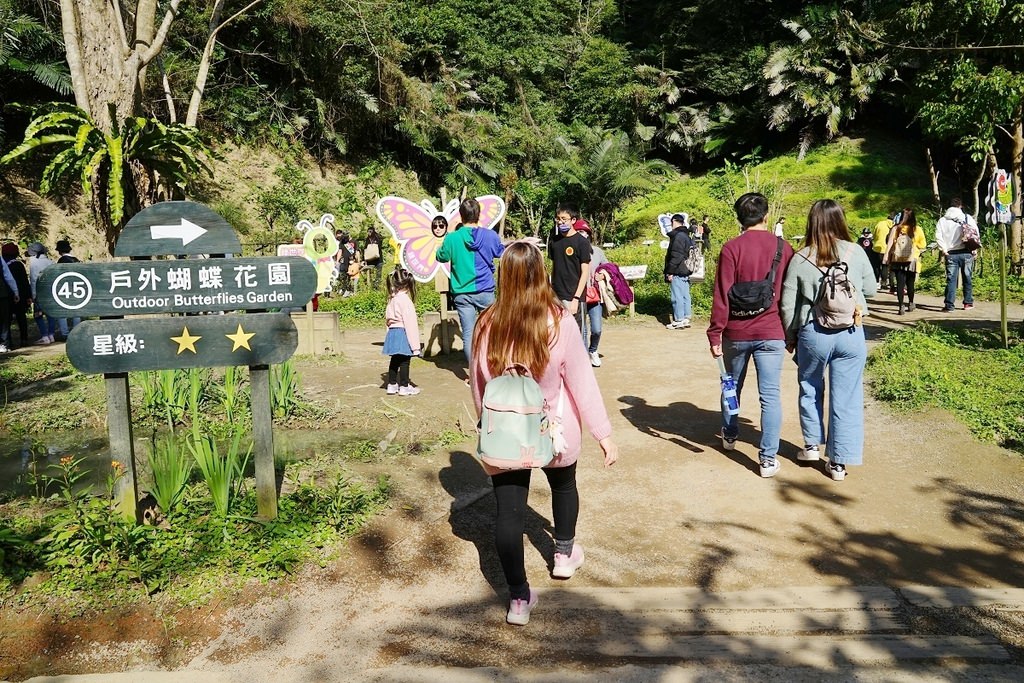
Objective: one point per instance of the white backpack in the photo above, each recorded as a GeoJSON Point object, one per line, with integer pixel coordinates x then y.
{"type": "Point", "coordinates": [835, 306]}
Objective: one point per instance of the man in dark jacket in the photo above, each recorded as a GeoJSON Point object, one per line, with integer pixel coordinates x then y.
{"type": "Point", "coordinates": [677, 274]}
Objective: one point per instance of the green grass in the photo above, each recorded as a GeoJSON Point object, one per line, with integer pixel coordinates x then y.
{"type": "Point", "coordinates": [868, 178]}
{"type": "Point", "coordinates": [199, 556]}
{"type": "Point", "coordinates": [962, 370]}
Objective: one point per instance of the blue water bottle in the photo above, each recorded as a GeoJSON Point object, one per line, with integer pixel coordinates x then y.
{"type": "Point", "coordinates": [729, 397]}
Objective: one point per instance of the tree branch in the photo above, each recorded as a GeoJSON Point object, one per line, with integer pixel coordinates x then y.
{"type": "Point", "coordinates": [161, 35]}
{"type": "Point", "coordinates": [69, 26]}
{"type": "Point", "coordinates": [121, 31]}
{"type": "Point", "coordinates": [192, 117]}
{"type": "Point", "coordinates": [964, 48]}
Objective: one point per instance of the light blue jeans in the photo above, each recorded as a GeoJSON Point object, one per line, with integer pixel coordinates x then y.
{"type": "Point", "coordinates": [843, 353]}
{"type": "Point", "coordinates": [768, 355]}
{"type": "Point", "coordinates": [962, 265]}
{"type": "Point", "coordinates": [468, 306]}
{"type": "Point", "coordinates": [593, 338]}
{"type": "Point", "coordinates": [680, 290]}
{"type": "Point", "coordinates": [65, 325]}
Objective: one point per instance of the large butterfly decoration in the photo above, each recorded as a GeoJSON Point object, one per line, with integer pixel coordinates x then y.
{"type": "Point", "coordinates": [417, 244]}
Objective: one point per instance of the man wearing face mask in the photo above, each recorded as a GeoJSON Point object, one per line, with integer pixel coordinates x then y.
{"type": "Point", "coordinates": [570, 262]}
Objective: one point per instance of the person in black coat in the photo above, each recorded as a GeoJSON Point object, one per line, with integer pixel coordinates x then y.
{"type": "Point", "coordinates": [677, 273]}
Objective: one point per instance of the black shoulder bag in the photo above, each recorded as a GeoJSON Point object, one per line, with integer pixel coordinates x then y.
{"type": "Point", "coordinates": [751, 299]}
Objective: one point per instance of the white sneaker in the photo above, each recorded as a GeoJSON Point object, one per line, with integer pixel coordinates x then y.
{"type": "Point", "coordinates": [43, 341]}
{"type": "Point", "coordinates": [769, 468]}
{"type": "Point", "coordinates": [809, 453]}
{"type": "Point", "coordinates": [519, 610]}
{"type": "Point", "coordinates": [3, 348]}
{"type": "Point", "coordinates": [408, 390]}
{"type": "Point", "coordinates": [835, 470]}
{"type": "Point", "coordinates": [392, 389]}
{"type": "Point", "coordinates": [595, 359]}
{"type": "Point", "coordinates": [685, 322]}
{"type": "Point", "coordinates": [728, 443]}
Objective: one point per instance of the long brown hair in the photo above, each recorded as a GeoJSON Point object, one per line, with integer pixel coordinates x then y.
{"type": "Point", "coordinates": [517, 325]}
{"type": "Point", "coordinates": [826, 227]}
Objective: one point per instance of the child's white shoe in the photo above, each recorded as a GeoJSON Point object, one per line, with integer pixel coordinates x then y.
{"type": "Point", "coordinates": [408, 390]}
{"type": "Point", "coordinates": [392, 389]}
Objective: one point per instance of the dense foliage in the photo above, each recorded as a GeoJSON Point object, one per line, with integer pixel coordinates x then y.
{"type": "Point", "coordinates": [502, 96]}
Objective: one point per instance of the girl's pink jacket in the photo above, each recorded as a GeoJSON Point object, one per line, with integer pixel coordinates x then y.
{"type": "Point", "coordinates": [569, 363]}
{"type": "Point", "coordinates": [401, 312]}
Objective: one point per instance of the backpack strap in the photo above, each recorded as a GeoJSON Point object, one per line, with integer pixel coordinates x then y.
{"type": "Point", "coordinates": [775, 261]}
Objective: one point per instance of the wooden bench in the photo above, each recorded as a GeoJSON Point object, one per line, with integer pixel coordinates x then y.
{"type": "Point", "coordinates": [630, 274]}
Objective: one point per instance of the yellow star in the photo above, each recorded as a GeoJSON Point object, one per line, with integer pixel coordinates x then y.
{"type": "Point", "coordinates": [186, 341]}
{"type": "Point", "coordinates": [241, 339]}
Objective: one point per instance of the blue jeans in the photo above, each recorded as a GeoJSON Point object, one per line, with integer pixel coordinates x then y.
{"type": "Point", "coordinates": [680, 290]}
{"type": "Point", "coordinates": [963, 265]}
{"type": "Point", "coordinates": [47, 325]}
{"type": "Point", "coordinates": [468, 306]}
{"type": "Point", "coordinates": [594, 336]}
{"type": "Point", "coordinates": [768, 356]}
{"type": "Point", "coordinates": [843, 353]}
{"type": "Point", "coordinates": [65, 325]}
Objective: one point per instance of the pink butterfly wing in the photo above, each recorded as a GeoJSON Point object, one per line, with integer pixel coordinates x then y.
{"type": "Point", "coordinates": [410, 225]}
{"type": "Point", "coordinates": [492, 208]}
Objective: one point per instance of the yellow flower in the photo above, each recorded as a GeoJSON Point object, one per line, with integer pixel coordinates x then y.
{"type": "Point", "coordinates": [66, 460]}
{"type": "Point", "coordinates": [117, 465]}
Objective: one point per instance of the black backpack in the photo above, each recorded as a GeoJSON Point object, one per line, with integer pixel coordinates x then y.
{"type": "Point", "coordinates": [751, 299]}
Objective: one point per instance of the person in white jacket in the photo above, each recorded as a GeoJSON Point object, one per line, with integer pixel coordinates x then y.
{"type": "Point", "coordinates": [949, 235]}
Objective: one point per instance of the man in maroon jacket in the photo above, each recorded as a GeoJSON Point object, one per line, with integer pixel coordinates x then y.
{"type": "Point", "coordinates": [745, 259]}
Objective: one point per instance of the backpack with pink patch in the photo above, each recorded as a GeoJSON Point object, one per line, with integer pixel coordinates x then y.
{"type": "Point", "coordinates": [517, 429]}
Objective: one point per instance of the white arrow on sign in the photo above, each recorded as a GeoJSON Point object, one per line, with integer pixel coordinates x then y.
{"type": "Point", "coordinates": [186, 232]}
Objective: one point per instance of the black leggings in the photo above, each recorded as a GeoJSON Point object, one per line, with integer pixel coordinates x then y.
{"type": "Point", "coordinates": [905, 278]}
{"type": "Point", "coordinates": [510, 492]}
{"type": "Point", "coordinates": [398, 370]}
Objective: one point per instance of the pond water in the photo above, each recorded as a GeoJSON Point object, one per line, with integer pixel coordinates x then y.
{"type": "Point", "coordinates": [24, 461]}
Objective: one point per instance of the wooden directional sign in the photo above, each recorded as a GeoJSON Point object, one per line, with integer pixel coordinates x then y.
{"type": "Point", "coordinates": [177, 228]}
{"type": "Point", "coordinates": [125, 345]}
{"type": "Point", "coordinates": [68, 290]}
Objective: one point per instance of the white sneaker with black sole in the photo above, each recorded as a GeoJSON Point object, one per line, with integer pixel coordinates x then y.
{"type": "Point", "coordinates": [728, 443]}
{"type": "Point", "coordinates": [595, 359]}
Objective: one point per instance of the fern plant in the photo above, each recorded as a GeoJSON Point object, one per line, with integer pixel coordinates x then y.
{"type": "Point", "coordinates": [112, 162]}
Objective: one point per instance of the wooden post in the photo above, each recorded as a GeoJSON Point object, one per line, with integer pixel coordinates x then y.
{"type": "Point", "coordinates": [1002, 286]}
{"type": "Point", "coordinates": [263, 442]}
{"type": "Point", "coordinates": [311, 327]}
{"type": "Point", "coordinates": [122, 447]}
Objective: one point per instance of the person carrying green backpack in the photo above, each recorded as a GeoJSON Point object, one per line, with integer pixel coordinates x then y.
{"type": "Point", "coordinates": [527, 331]}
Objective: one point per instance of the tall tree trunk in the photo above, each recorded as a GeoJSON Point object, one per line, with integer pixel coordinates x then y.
{"type": "Point", "coordinates": [1017, 156]}
{"type": "Point", "coordinates": [934, 175]}
{"type": "Point", "coordinates": [107, 68]}
{"type": "Point", "coordinates": [982, 170]}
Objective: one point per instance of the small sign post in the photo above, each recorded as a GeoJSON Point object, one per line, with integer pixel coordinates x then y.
{"type": "Point", "coordinates": [115, 345]}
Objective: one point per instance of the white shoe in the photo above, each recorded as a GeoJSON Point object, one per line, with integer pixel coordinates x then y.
{"type": "Point", "coordinates": [408, 390]}
{"type": "Point", "coordinates": [835, 470]}
{"type": "Point", "coordinates": [810, 453]}
{"type": "Point", "coordinates": [728, 443]}
{"type": "Point", "coordinates": [43, 341]}
{"type": "Point", "coordinates": [392, 389]}
{"type": "Point", "coordinates": [595, 359]}
{"type": "Point", "coordinates": [769, 468]}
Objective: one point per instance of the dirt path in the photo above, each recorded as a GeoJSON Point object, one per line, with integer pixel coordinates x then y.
{"type": "Point", "coordinates": [673, 530]}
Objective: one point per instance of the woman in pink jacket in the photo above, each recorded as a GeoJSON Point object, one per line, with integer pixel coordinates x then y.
{"type": "Point", "coordinates": [527, 325]}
